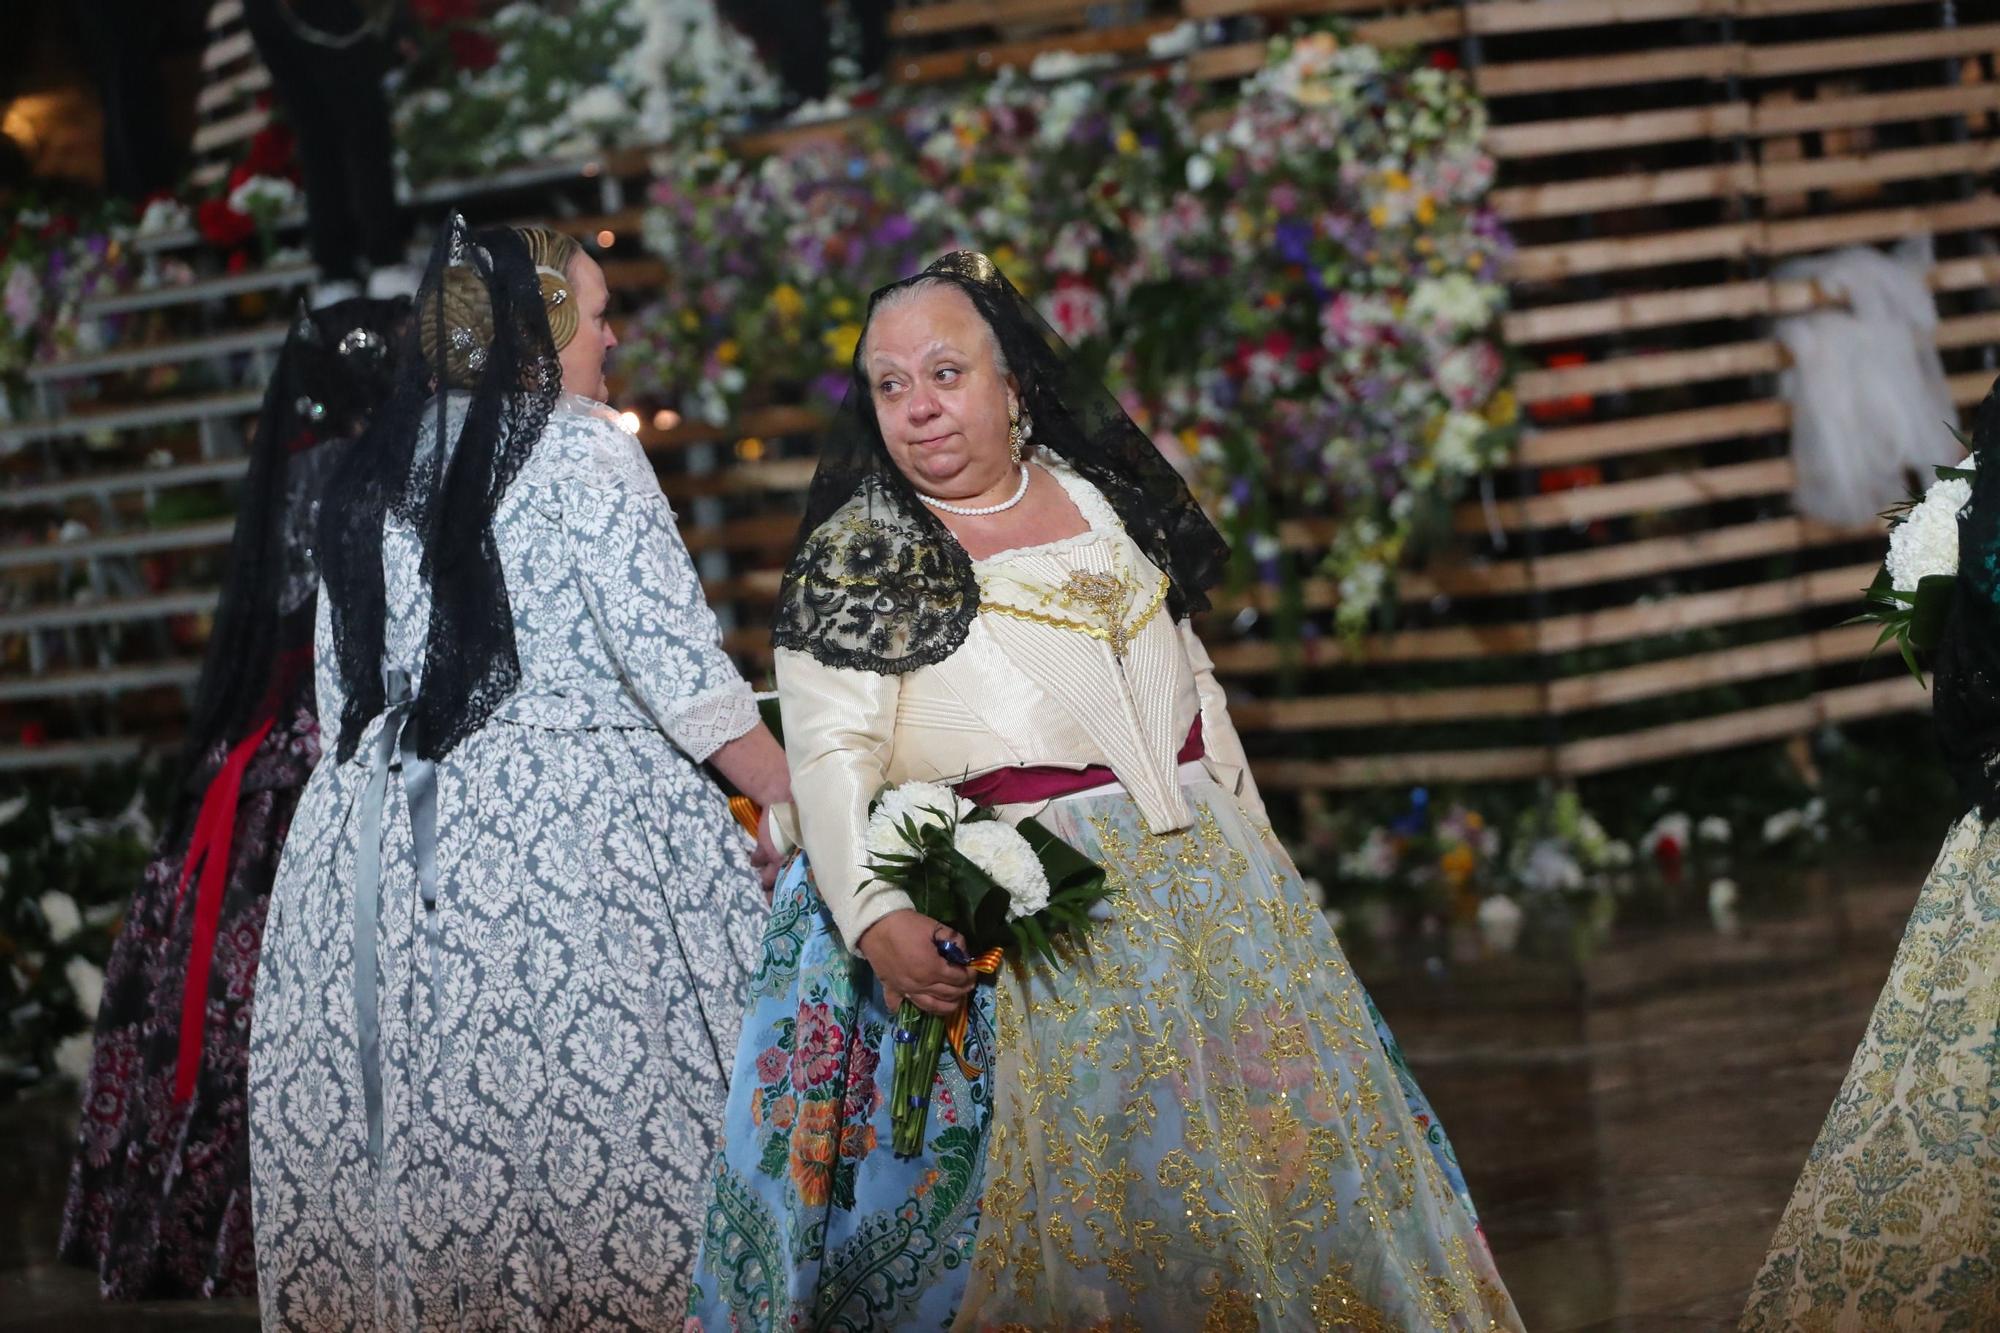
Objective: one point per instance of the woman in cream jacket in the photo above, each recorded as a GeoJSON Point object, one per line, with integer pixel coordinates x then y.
{"type": "Point", "coordinates": [1192, 1120]}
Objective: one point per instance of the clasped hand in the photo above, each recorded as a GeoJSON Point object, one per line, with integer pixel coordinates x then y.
{"type": "Point", "coordinates": [903, 949]}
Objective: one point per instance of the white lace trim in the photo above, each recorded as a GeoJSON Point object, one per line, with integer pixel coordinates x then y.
{"type": "Point", "coordinates": [712, 719]}
{"type": "Point", "coordinates": [1101, 518]}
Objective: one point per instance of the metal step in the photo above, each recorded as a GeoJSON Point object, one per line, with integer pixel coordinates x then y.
{"type": "Point", "coordinates": [68, 754]}
{"type": "Point", "coordinates": [209, 289]}
{"type": "Point", "coordinates": [103, 680]}
{"type": "Point", "coordinates": [138, 416]}
{"type": "Point", "coordinates": [113, 611]}
{"type": "Point", "coordinates": [139, 356]}
{"type": "Point", "coordinates": [122, 483]}
{"type": "Point", "coordinates": [185, 537]}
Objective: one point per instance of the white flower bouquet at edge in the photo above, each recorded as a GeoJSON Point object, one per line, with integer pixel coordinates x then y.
{"type": "Point", "coordinates": [1911, 597]}
{"type": "Point", "coordinates": [1003, 887]}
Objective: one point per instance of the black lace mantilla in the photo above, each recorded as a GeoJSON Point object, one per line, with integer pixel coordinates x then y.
{"type": "Point", "coordinates": [446, 479]}
{"type": "Point", "coordinates": [879, 584]}
{"type": "Point", "coordinates": [1965, 681]}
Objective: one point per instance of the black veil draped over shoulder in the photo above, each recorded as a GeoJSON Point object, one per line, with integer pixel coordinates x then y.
{"type": "Point", "coordinates": [1965, 680]}
{"type": "Point", "coordinates": [878, 584]}
{"type": "Point", "coordinates": [331, 374]}
{"type": "Point", "coordinates": [479, 315]}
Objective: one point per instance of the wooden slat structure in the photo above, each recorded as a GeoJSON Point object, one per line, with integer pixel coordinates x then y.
{"type": "Point", "coordinates": [230, 108]}
{"type": "Point", "coordinates": [1636, 588]}
{"type": "Point", "coordinates": [1644, 570]}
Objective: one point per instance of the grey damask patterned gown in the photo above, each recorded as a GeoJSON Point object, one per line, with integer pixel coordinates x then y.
{"type": "Point", "coordinates": [555, 1038]}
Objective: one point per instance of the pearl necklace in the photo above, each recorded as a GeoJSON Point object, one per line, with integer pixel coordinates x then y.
{"type": "Point", "coordinates": [980, 511]}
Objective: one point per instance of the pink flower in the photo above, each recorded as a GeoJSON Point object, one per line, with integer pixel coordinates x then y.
{"type": "Point", "coordinates": [816, 1047]}
{"type": "Point", "coordinates": [1077, 311]}
{"type": "Point", "coordinates": [771, 1065]}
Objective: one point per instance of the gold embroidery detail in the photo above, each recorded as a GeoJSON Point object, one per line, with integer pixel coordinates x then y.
{"type": "Point", "coordinates": [1194, 1122]}
{"type": "Point", "coordinates": [1106, 607]}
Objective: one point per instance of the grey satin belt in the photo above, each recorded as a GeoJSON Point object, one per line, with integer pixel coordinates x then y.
{"type": "Point", "coordinates": [395, 748]}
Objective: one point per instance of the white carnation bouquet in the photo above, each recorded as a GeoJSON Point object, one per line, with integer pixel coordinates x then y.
{"type": "Point", "coordinates": [1911, 597]}
{"type": "Point", "coordinates": [1003, 887]}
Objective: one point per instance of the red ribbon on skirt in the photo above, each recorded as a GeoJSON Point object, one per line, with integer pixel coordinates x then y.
{"type": "Point", "coordinates": [209, 849]}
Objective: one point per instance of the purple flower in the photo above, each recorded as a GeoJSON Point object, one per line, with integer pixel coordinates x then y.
{"type": "Point", "coordinates": [1293, 239]}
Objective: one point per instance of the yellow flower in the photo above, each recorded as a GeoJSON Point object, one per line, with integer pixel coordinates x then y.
{"type": "Point", "coordinates": [1458, 864]}
{"type": "Point", "coordinates": [1424, 245]}
{"type": "Point", "coordinates": [1379, 216]}
{"type": "Point", "coordinates": [690, 321]}
{"type": "Point", "coordinates": [727, 352]}
{"type": "Point", "coordinates": [840, 307]}
{"type": "Point", "coordinates": [1395, 180]}
{"type": "Point", "coordinates": [1503, 410]}
{"type": "Point", "coordinates": [1003, 257]}
{"type": "Point", "coordinates": [785, 299]}
{"type": "Point", "coordinates": [840, 342]}
{"type": "Point", "coordinates": [1427, 211]}
{"type": "Point", "coordinates": [1475, 261]}
{"type": "Point", "coordinates": [1190, 438]}
{"type": "Point", "coordinates": [1128, 142]}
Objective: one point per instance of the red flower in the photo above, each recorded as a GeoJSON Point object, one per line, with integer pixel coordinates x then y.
{"type": "Point", "coordinates": [34, 733]}
{"type": "Point", "coordinates": [1442, 58]}
{"type": "Point", "coordinates": [239, 260]}
{"type": "Point", "coordinates": [1667, 853]}
{"type": "Point", "coordinates": [435, 14]}
{"type": "Point", "coordinates": [271, 152]}
{"type": "Point", "coordinates": [222, 226]}
{"type": "Point", "coordinates": [472, 50]}
{"type": "Point", "coordinates": [1550, 411]}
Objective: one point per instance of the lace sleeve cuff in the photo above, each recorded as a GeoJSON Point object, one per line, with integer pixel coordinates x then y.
{"type": "Point", "coordinates": [711, 720]}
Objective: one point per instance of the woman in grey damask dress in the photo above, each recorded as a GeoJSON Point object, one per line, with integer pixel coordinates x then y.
{"type": "Point", "coordinates": [512, 930]}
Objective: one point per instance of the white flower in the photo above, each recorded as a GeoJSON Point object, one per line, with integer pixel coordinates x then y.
{"type": "Point", "coordinates": [10, 810]}
{"type": "Point", "coordinates": [270, 195]}
{"type": "Point", "coordinates": [926, 804]}
{"type": "Point", "coordinates": [72, 1056]}
{"type": "Point", "coordinates": [998, 848]}
{"type": "Point", "coordinates": [1454, 303]}
{"type": "Point", "coordinates": [1550, 868]}
{"type": "Point", "coordinates": [1618, 854]}
{"type": "Point", "coordinates": [1782, 825]}
{"type": "Point", "coordinates": [61, 912]}
{"type": "Point", "coordinates": [1456, 452]}
{"type": "Point", "coordinates": [600, 105]}
{"type": "Point", "coordinates": [1926, 542]}
{"type": "Point", "coordinates": [1722, 905]}
{"type": "Point", "coordinates": [1714, 829]}
{"type": "Point", "coordinates": [1677, 827]}
{"type": "Point", "coordinates": [86, 982]}
{"type": "Point", "coordinates": [1200, 171]}
{"type": "Point", "coordinates": [1176, 41]}
{"type": "Point", "coordinates": [164, 215]}
{"type": "Point", "coordinates": [1500, 923]}
{"type": "Point", "coordinates": [1374, 860]}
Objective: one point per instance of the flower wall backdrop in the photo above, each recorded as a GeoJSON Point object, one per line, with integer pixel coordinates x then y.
{"type": "Point", "coordinates": [524, 83]}
{"type": "Point", "coordinates": [1293, 286]}
{"type": "Point", "coordinates": [51, 259]}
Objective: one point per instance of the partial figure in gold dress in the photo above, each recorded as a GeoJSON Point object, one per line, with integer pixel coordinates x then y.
{"type": "Point", "coordinates": [1895, 1222]}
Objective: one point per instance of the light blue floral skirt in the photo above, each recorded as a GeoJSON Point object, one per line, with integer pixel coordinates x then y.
{"type": "Point", "coordinates": [1195, 1120]}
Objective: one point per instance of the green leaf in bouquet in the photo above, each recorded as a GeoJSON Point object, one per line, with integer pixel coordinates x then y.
{"type": "Point", "coordinates": [1929, 610]}
{"type": "Point", "coordinates": [1073, 877]}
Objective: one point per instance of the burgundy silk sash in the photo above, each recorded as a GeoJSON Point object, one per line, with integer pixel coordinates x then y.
{"type": "Point", "coordinates": [1032, 785]}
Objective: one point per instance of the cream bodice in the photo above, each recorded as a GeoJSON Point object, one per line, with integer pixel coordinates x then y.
{"type": "Point", "coordinates": [1072, 661]}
